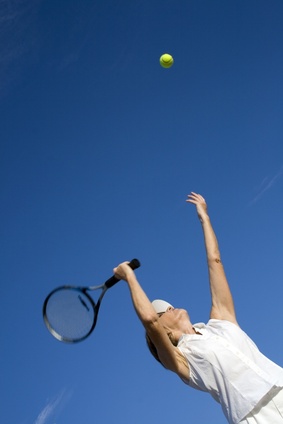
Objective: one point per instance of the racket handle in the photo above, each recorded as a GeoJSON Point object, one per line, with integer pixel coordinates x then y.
{"type": "Point", "coordinates": [134, 264]}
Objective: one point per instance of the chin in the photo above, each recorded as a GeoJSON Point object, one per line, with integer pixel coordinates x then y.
{"type": "Point", "coordinates": [184, 313]}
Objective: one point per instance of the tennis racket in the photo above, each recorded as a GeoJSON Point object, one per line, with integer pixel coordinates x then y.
{"type": "Point", "coordinates": [69, 312]}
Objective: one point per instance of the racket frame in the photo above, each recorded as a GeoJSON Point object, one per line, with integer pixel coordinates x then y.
{"type": "Point", "coordinates": [95, 305]}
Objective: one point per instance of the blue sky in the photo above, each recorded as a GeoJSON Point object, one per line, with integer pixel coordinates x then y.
{"type": "Point", "coordinates": [99, 148]}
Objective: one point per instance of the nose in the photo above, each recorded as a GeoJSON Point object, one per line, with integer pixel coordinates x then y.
{"type": "Point", "coordinates": [170, 308]}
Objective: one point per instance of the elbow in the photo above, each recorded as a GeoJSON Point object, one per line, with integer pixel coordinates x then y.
{"type": "Point", "coordinates": [150, 319]}
{"type": "Point", "coordinates": [151, 323]}
{"type": "Point", "coordinates": [214, 259]}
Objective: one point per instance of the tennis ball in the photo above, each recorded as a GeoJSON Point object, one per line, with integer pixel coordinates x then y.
{"type": "Point", "coordinates": [166, 60]}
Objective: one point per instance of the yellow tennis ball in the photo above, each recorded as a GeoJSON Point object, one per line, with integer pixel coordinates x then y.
{"type": "Point", "coordinates": [166, 60]}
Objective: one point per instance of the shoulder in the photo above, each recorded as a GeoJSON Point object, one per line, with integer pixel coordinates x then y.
{"type": "Point", "coordinates": [222, 323]}
{"type": "Point", "coordinates": [228, 330]}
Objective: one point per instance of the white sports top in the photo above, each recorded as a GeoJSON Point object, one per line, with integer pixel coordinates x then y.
{"type": "Point", "coordinates": [226, 363]}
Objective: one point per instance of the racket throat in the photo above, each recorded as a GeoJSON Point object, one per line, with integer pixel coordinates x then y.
{"type": "Point", "coordinates": [83, 303]}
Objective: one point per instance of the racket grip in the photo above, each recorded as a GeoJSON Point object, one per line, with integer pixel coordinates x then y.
{"type": "Point", "coordinates": [134, 264]}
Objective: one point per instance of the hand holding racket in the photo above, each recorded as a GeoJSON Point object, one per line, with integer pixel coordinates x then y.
{"type": "Point", "coordinates": [69, 312]}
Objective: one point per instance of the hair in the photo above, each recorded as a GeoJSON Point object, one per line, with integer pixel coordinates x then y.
{"type": "Point", "coordinates": [153, 349]}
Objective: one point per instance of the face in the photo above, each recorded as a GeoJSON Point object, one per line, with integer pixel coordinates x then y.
{"type": "Point", "coordinates": [174, 319]}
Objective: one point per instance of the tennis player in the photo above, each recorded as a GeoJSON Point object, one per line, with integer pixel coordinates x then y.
{"type": "Point", "coordinates": [217, 357]}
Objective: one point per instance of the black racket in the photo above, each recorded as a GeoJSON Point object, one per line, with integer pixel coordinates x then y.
{"type": "Point", "coordinates": [69, 312]}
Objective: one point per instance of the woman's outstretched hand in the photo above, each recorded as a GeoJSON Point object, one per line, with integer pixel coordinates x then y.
{"type": "Point", "coordinates": [199, 201]}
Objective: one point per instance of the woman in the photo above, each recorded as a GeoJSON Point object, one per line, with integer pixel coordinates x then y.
{"type": "Point", "coordinates": [217, 357]}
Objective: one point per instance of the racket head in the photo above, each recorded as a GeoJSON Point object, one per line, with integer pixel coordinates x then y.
{"type": "Point", "coordinates": [70, 314]}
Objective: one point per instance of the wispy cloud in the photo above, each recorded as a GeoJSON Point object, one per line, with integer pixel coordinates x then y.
{"type": "Point", "coordinates": [53, 406]}
{"type": "Point", "coordinates": [266, 185]}
{"type": "Point", "coordinates": [17, 37]}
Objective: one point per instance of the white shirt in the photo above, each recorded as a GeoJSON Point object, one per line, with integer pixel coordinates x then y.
{"type": "Point", "coordinates": [226, 363]}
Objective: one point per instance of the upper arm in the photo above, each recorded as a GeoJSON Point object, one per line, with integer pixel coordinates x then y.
{"type": "Point", "coordinates": [169, 355]}
{"type": "Point", "coordinates": [221, 297]}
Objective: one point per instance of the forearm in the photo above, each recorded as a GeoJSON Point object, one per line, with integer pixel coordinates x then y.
{"type": "Point", "coordinates": [222, 301]}
{"type": "Point", "coordinates": [210, 240]}
{"type": "Point", "coordinates": [141, 303]}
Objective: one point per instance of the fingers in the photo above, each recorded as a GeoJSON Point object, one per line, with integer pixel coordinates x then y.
{"type": "Point", "coordinates": [195, 198]}
{"type": "Point", "coordinates": [118, 270]}
{"type": "Point", "coordinates": [122, 270]}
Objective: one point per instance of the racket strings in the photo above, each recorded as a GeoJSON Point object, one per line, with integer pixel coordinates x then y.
{"type": "Point", "coordinates": [70, 314]}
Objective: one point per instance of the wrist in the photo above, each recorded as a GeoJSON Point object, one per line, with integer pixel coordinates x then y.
{"type": "Point", "coordinates": [130, 275]}
{"type": "Point", "coordinates": [204, 218]}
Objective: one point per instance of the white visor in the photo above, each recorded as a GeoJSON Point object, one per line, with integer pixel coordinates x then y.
{"type": "Point", "coordinates": [161, 306]}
